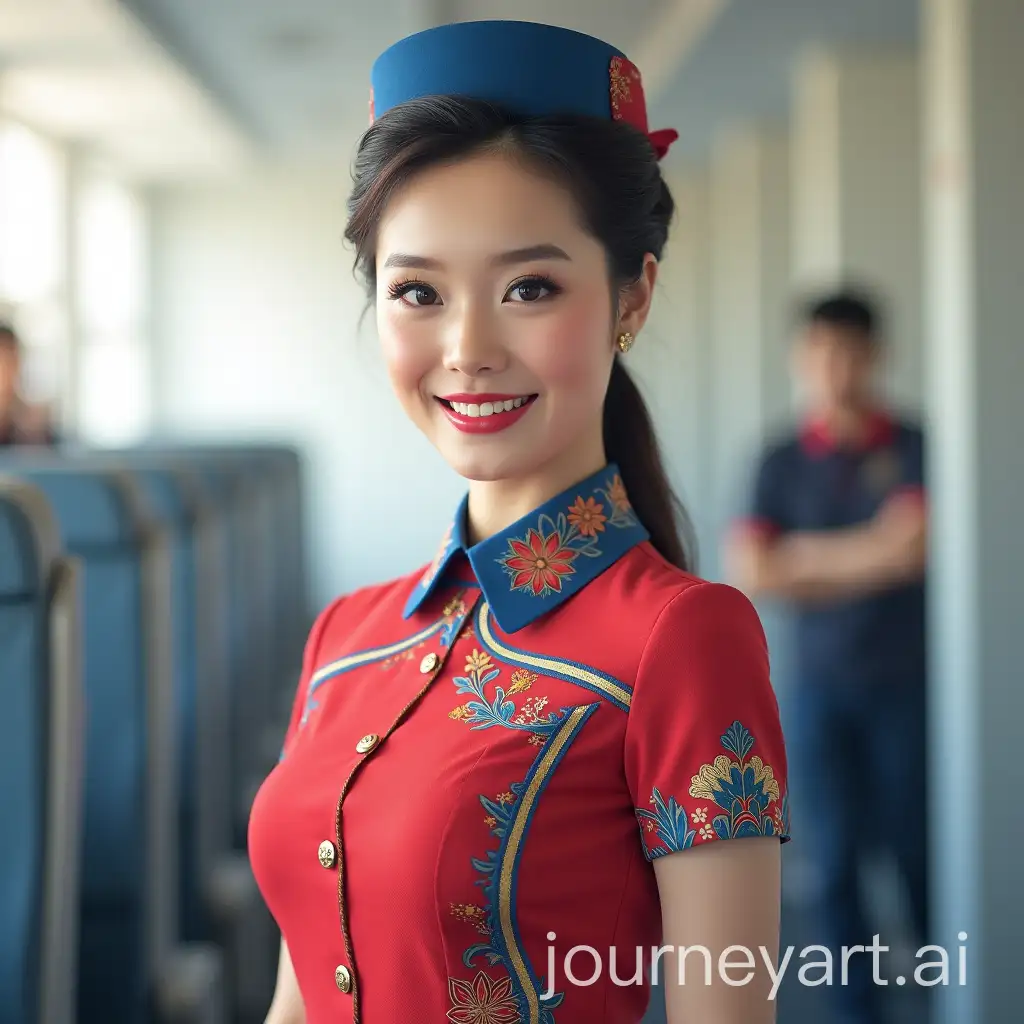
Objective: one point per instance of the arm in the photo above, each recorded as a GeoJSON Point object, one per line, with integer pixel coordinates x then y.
{"type": "Point", "coordinates": [716, 896]}
{"type": "Point", "coordinates": [287, 1007]}
{"type": "Point", "coordinates": [704, 729]}
{"type": "Point", "coordinates": [812, 566]}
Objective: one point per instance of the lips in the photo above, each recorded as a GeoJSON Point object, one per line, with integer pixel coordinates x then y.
{"type": "Point", "coordinates": [485, 413]}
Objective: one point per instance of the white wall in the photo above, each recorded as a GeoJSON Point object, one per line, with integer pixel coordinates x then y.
{"type": "Point", "coordinates": [257, 335]}
{"type": "Point", "coordinates": [857, 190]}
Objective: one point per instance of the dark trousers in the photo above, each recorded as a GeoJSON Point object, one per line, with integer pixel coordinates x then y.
{"type": "Point", "coordinates": [858, 767]}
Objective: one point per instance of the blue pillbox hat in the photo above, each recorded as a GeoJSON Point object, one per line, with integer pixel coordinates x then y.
{"type": "Point", "coordinates": [532, 69]}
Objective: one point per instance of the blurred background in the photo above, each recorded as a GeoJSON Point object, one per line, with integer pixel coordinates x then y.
{"type": "Point", "coordinates": [228, 456]}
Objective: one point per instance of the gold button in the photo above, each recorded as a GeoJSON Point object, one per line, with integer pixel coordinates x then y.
{"type": "Point", "coordinates": [367, 743]}
{"type": "Point", "coordinates": [342, 978]}
{"type": "Point", "coordinates": [429, 663]}
{"type": "Point", "coordinates": [327, 854]}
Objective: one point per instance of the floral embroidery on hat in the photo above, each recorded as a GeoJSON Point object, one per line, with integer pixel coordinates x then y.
{"type": "Point", "coordinates": [626, 87]}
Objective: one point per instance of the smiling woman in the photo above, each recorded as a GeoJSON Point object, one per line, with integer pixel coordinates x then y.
{"type": "Point", "coordinates": [555, 681]}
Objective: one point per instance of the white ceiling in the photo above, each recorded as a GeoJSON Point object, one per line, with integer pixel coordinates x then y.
{"type": "Point", "coordinates": [84, 72]}
{"type": "Point", "coordinates": [743, 68]}
{"type": "Point", "coordinates": [169, 87]}
{"type": "Point", "coordinates": [296, 74]}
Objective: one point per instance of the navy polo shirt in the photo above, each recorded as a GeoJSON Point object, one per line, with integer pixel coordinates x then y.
{"type": "Point", "coordinates": [807, 482]}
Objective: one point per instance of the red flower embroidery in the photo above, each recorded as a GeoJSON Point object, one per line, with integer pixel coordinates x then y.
{"type": "Point", "coordinates": [539, 563]}
{"type": "Point", "coordinates": [483, 1001]}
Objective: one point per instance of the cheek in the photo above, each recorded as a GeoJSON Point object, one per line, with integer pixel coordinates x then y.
{"type": "Point", "coordinates": [571, 349]}
{"type": "Point", "coordinates": [406, 348]}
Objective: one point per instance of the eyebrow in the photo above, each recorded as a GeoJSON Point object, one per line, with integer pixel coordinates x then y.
{"type": "Point", "coordinates": [545, 251]}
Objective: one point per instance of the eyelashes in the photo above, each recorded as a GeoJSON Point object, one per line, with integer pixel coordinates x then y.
{"type": "Point", "coordinates": [399, 289]}
{"type": "Point", "coordinates": [426, 295]}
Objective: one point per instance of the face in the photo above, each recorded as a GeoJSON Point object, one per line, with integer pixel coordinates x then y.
{"type": "Point", "coordinates": [495, 312]}
{"type": "Point", "coordinates": [9, 368]}
{"type": "Point", "coordinates": [835, 365]}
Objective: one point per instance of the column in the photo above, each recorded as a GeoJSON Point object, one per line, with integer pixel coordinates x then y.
{"type": "Point", "coordinates": [857, 189]}
{"type": "Point", "coordinates": [749, 311]}
{"type": "Point", "coordinates": [974, 221]}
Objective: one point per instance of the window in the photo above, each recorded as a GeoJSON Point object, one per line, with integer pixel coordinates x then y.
{"type": "Point", "coordinates": [114, 398]}
{"type": "Point", "coordinates": [33, 255]}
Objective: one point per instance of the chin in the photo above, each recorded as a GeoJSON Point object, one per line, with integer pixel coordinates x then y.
{"type": "Point", "coordinates": [488, 463]}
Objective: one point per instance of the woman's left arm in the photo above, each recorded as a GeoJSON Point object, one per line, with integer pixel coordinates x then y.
{"type": "Point", "coordinates": [706, 767]}
{"type": "Point", "coordinates": [720, 907]}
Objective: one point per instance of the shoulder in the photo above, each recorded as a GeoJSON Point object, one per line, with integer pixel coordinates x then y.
{"type": "Point", "coordinates": [703, 652]}
{"type": "Point", "coordinates": [909, 431]}
{"type": "Point", "coordinates": [909, 441]}
{"type": "Point", "coordinates": [374, 604]}
{"type": "Point", "coordinates": [660, 611]}
{"type": "Point", "coordinates": [781, 451]}
{"type": "Point", "coordinates": [682, 605]}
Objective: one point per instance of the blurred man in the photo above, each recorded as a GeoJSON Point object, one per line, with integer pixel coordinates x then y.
{"type": "Point", "coordinates": [838, 530]}
{"type": "Point", "coordinates": [20, 423]}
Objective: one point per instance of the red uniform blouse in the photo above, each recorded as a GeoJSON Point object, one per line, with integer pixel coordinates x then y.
{"type": "Point", "coordinates": [471, 752]}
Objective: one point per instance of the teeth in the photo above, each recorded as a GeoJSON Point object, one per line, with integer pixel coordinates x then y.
{"type": "Point", "coordinates": [488, 408]}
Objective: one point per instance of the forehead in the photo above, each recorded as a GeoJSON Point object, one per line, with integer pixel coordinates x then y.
{"type": "Point", "coordinates": [481, 204]}
{"type": "Point", "coordinates": [821, 334]}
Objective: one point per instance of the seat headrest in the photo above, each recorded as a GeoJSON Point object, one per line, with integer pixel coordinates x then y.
{"type": "Point", "coordinates": [92, 507]}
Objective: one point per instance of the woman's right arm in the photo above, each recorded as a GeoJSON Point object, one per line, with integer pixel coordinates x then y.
{"type": "Point", "coordinates": [287, 1007]}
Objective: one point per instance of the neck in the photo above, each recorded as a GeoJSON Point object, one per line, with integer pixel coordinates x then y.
{"type": "Point", "coordinates": [495, 504]}
{"type": "Point", "coordinates": [7, 411]}
{"type": "Point", "coordinates": [847, 422]}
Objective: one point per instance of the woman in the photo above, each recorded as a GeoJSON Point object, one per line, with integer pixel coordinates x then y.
{"type": "Point", "coordinates": [473, 746]}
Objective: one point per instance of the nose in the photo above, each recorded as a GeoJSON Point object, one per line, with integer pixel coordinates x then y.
{"type": "Point", "coordinates": [472, 343]}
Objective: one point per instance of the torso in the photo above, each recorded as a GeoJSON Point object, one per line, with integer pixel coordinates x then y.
{"type": "Point", "coordinates": [879, 638]}
{"type": "Point", "coordinates": [501, 794]}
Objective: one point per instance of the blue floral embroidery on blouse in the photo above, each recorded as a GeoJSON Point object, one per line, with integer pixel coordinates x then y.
{"type": "Point", "coordinates": [509, 817]}
{"type": "Point", "coordinates": [742, 788]}
{"type": "Point", "coordinates": [483, 712]}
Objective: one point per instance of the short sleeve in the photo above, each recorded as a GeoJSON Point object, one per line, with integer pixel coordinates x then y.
{"type": "Point", "coordinates": [309, 665]}
{"type": "Point", "coordinates": [767, 510]}
{"type": "Point", "coordinates": [912, 469]}
{"type": "Point", "coordinates": [705, 757]}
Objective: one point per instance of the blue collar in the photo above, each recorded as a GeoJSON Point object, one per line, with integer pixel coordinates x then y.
{"type": "Point", "coordinates": [547, 556]}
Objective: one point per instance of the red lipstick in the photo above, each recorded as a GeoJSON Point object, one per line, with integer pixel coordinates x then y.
{"type": "Point", "coordinates": [485, 420]}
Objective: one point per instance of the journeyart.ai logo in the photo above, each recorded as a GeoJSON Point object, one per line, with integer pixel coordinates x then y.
{"type": "Point", "coordinates": [739, 965]}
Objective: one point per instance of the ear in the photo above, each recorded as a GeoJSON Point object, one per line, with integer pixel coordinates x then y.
{"type": "Point", "coordinates": [635, 298]}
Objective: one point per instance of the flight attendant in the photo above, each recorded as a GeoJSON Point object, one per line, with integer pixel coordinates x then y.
{"type": "Point", "coordinates": [553, 735]}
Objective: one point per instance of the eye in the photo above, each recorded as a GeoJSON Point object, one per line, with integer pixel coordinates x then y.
{"type": "Point", "coordinates": [413, 293]}
{"type": "Point", "coordinates": [531, 289]}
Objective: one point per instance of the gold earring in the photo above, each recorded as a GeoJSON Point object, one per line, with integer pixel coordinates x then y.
{"type": "Point", "coordinates": [625, 341]}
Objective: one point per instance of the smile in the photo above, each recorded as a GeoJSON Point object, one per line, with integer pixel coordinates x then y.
{"type": "Point", "coordinates": [485, 414]}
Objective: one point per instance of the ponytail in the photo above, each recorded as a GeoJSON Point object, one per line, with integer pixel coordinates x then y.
{"type": "Point", "coordinates": [630, 442]}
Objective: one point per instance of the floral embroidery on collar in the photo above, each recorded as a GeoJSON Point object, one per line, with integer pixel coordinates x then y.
{"type": "Point", "coordinates": [548, 555]}
{"type": "Point", "coordinates": [539, 561]}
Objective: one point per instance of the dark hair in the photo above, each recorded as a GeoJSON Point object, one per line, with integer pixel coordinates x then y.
{"type": "Point", "coordinates": [9, 337]}
{"type": "Point", "coordinates": [611, 170]}
{"type": "Point", "coordinates": [852, 310]}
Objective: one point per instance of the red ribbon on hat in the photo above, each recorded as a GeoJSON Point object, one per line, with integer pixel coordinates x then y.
{"type": "Point", "coordinates": [629, 104]}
